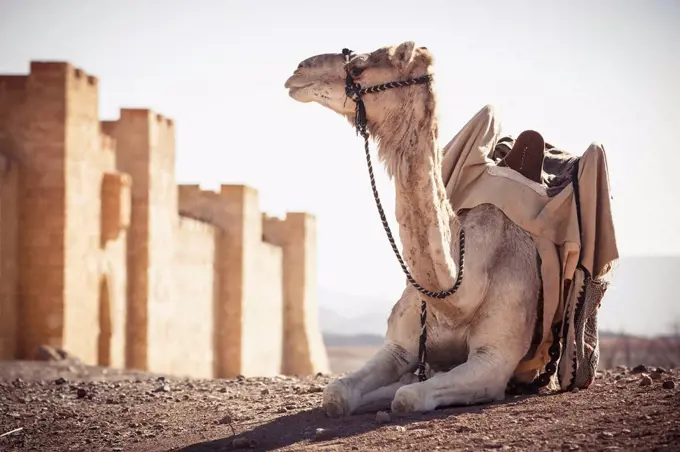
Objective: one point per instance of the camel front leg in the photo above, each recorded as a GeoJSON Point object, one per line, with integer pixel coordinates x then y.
{"type": "Point", "coordinates": [343, 396]}
{"type": "Point", "coordinates": [481, 379]}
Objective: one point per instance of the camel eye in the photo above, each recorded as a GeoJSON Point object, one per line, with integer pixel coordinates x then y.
{"type": "Point", "coordinates": [356, 71]}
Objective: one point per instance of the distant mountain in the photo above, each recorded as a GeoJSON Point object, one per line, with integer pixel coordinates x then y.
{"type": "Point", "coordinates": [355, 340]}
{"type": "Point", "coordinates": [643, 298]}
{"type": "Point", "coordinates": [346, 315]}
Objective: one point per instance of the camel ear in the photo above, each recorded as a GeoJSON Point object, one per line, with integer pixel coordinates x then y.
{"type": "Point", "coordinates": [404, 53]}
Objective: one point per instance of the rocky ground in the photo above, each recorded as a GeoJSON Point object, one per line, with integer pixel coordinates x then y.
{"type": "Point", "coordinates": [62, 406]}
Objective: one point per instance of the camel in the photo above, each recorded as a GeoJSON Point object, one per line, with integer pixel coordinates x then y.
{"type": "Point", "coordinates": [475, 337]}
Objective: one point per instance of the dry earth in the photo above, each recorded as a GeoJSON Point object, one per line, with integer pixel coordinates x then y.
{"type": "Point", "coordinates": [64, 406]}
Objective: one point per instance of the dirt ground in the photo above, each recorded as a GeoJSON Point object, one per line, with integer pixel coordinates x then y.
{"type": "Point", "coordinates": [57, 406]}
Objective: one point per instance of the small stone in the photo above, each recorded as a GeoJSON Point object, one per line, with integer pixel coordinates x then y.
{"type": "Point", "coordinates": [241, 443]}
{"type": "Point", "coordinates": [668, 384]}
{"type": "Point", "coordinates": [164, 388]}
{"type": "Point", "coordinates": [493, 445]}
{"type": "Point", "coordinates": [60, 381]}
{"type": "Point", "coordinates": [570, 446]}
{"type": "Point", "coordinates": [225, 420]}
{"type": "Point", "coordinates": [321, 434]}
{"type": "Point", "coordinates": [240, 378]}
{"type": "Point", "coordinates": [655, 375]}
{"type": "Point", "coordinates": [315, 388]}
{"type": "Point", "coordinates": [265, 391]}
{"type": "Point", "coordinates": [625, 431]}
{"type": "Point", "coordinates": [319, 374]}
{"type": "Point", "coordinates": [645, 381]}
{"type": "Point", "coordinates": [400, 428]}
{"type": "Point", "coordinates": [622, 368]}
{"type": "Point", "coordinates": [607, 435]}
{"type": "Point", "coordinates": [661, 370]}
{"type": "Point", "coordinates": [382, 417]}
{"type": "Point", "coordinates": [47, 353]}
{"type": "Point", "coordinates": [639, 369]}
{"type": "Point", "coordinates": [81, 393]}
{"type": "Point", "coordinates": [575, 390]}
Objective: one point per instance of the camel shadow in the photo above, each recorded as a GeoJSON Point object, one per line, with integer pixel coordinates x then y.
{"type": "Point", "coordinates": [302, 426]}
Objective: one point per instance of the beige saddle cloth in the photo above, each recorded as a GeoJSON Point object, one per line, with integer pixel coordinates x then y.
{"type": "Point", "coordinates": [567, 212]}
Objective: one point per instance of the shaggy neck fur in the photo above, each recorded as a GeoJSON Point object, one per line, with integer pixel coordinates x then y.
{"type": "Point", "coordinates": [408, 146]}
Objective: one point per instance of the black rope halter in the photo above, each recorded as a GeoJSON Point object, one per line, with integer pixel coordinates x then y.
{"type": "Point", "coordinates": [354, 91]}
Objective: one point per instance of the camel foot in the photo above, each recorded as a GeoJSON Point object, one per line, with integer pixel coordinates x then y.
{"type": "Point", "coordinates": [412, 398]}
{"type": "Point", "coordinates": [338, 399]}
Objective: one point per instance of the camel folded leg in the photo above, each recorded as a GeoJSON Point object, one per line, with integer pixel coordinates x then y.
{"type": "Point", "coordinates": [481, 379]}
{"type": "Point", "coordinates": [381, 398]}
{"type": "Point", "coordinates": [344, 395]}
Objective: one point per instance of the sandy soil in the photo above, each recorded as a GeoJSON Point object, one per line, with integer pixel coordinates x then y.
{"type": "Point", "coordinates": [61, 406]}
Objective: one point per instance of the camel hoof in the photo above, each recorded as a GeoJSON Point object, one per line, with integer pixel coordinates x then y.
{"type": "Point", "coordinates": [408, 400]}
{"type": "Point", "coordinates": [337, 400]}
{"type": "Point", "coordinates": [333, 409]}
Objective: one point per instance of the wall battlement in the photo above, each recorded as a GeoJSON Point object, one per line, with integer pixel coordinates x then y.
{"type": "Point", "coordinates": [108, 248]}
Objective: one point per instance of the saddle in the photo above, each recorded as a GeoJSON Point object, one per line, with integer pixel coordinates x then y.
{"type": "Point", "coordinates": [535, 159]}
{"type": "Point", "coordinates": [526, 155]}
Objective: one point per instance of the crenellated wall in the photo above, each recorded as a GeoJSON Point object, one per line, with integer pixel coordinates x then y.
{"type": "Point", "coordinates": [102, 254]}
{"type": "Point", "coordinates": [195, 297]}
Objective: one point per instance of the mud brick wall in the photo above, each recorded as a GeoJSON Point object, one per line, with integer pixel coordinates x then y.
{"type": "Point", "coordinates": [12, 98]}
{"type": "Point", "coordinates": [48, 122]}
{"type": "Point", "coordinates": [82, 160]}
{"type": "Point", "coordinates": [146, 151]}
{"type": "Point", "coordinates": [95, 257]}
{"type": "Point", "coordinates": [248, 328]}
{"type": "Point", "coordinates": [304, 352]}
{"type": "Point", "coordinates": [42, 210]}
{"type": "Point", "coordinates": [8, 255]}
{"type": "Point", "coordinates": [262, 315]}
{"type": "Point", "coordinates": [112, 297]}
{"type": "Point", "coordinates": [190, 348]}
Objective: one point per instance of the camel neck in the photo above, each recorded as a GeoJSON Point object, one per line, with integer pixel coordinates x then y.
{"type": "Point", "coordinates": [413, 157]}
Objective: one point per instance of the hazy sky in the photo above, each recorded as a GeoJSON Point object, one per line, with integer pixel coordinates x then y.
{"type": "Point", "coordinates": [577, 71]}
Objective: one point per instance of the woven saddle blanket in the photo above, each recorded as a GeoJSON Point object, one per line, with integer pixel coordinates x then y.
{"type": "Point", "coordinates": [563, 202]}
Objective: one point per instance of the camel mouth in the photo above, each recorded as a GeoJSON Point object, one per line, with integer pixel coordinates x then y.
{"type": "Point", "coordinates": [295, 82]}
{"type": "Point", "coordinates": [296, 86]}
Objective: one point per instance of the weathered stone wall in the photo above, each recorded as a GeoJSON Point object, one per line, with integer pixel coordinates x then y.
{"type": "Point", "coordinates": [8, 256]}
{"type": "Point", "coordinates": [303, 350]}
{"type": "Point", "coordinates": [115, 214]}
{"type": "Point", "coordinates": [145, 150]}
{"type": "Point", "coordinates": [261, 316]}
{"type": "Point", "coordinates": [95, 259]}
{"type": "Point", "coordinates": [82, 216]}
{"type": "Point", "coordinates": [50, 126]}
{"type": "Point", "coordinates": [42, 209]}
{"type": "Point", "coordinates": [248, 320]}
{"type": "Point", "coordinates": [12, 97]}
{"type": "Point", "coordinates": [190, 348]}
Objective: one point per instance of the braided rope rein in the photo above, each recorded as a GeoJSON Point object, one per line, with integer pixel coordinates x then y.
{"type": "Point", "coordinates": [354, 91]}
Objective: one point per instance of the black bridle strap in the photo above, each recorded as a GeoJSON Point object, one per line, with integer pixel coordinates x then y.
{"type": "Point", "coordinates": [354, 91]}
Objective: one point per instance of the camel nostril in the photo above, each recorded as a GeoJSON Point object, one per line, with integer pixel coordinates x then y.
{"type": "Point", "coordinates": [300, 66]}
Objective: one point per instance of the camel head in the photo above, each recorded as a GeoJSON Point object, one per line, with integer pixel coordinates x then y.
{"type": "Point", "coordinates": [322, 79]}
